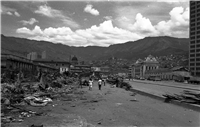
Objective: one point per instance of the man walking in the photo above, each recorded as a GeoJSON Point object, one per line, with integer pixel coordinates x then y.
{"type": "Point", "coordinates": [100, 83]}
{"type": "Point", "coordinates": [90, 84]}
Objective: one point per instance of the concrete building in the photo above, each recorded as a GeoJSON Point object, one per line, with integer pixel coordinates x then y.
{"type": "Point", "coordinates": [13, 63]}
{"type": "Point", "coordinates": [44, 55]}
{"type": "Point", "coordinates": [194, 49]}
{"type": "Point", "coordinates": [80, 69]}
{"type": "Point", "coordinates": [74, 60]}
{"type": "Point", "coordinates": [139, 68]}
{"type": "Point", "coordinates": [32, 56]}
{"type": "Point", "coordinates": [61, 65]}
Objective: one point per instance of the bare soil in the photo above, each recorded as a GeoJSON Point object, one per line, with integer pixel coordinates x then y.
{"type": "Point", "coordinates": [111, 107]}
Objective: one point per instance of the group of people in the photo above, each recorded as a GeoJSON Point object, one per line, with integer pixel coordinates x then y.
{"type": "Point", "coordinates": [100, 83]}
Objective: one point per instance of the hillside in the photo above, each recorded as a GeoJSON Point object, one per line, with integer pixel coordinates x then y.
{"type": "Point", "coordinates": [156, 46]}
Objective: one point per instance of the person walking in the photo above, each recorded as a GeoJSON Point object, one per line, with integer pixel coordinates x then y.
{"type": "Point", "coordinates": [104, 81]}
{"type": "Point", "coordinates": [90, 84]}
{"type": "Point", "coordinates": [99, 83]}
{"type": "Point", "coordinates": [80, 82]}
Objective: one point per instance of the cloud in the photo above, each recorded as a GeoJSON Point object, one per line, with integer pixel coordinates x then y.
{"type": "Point", "coordinates": [142, 25]}
{"type": "Point", "coordinates": [108, 17]}
{"type": "Point", "coordinates": [91, 10]}
{"type": "Point", "coordinates": [30, 22]}
{"type": "Point", "coordinates": [17, 14]}
{"type": "Point", "coordinates": [9, 11]}
{"type": "Point", "coordinates": [103, 35]}
{"type": "Point", "coordinates": [178, 23]}
{"type": "Point", "coordinates": [35, 31]}
{"type": "Point", "coordinates": [53, 13]}
{"type": "Point", "coordinates": [173, 1]}
{"type": "Point", "coordinates": [176, 26]}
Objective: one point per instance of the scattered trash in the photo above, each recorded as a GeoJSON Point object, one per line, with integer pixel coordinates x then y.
{"type": "Point", "coordinates": [133, 94]}
{"type": "Point", "coordinates": [134, 99]}
{"type": "Point", "coordinates": [118, 104]}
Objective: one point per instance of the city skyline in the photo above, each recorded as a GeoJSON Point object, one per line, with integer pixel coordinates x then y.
{"type": "Point", "coordinates": [97, 23]}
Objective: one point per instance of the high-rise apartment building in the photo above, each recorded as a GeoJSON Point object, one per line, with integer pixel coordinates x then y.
{"type": "Point", "coordinates": [194, 49]}
{"type": "Point", "coordinates": [44, 55]}
{"type": "Point", "coordinates": [32, 56]}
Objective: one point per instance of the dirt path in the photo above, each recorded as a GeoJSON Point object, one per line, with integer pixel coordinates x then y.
{"type": "Point", "coordinates": [110, 107]}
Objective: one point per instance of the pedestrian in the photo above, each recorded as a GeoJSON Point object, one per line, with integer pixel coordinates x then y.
{"type": "Point", "coordinates": [104, 82]}
{"type": "Point", "coordinates": [99, 83]}
{"type": "Point", "coordinates": [80, 82]}
{"type": "Point", "coordinates": [90, 84]}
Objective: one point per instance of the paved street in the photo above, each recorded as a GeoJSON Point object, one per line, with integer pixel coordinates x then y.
{"type": "Point", "coordinates": [160, 87]}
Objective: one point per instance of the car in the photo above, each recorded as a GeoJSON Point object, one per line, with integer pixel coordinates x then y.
{"type": "Point", "coordinates": [142, 78]}
{"type": "Point", "coordinates": [154, 78]}
{"type": "Point", "coordinates": [157, 79]}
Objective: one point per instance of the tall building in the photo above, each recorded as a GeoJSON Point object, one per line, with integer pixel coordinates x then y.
{"type": "Point", "coordinates": [194, 49]}
{"type": "Point", "coordinates": [32, 56]}
{"type": "Point", "coordinates": [44, 55]}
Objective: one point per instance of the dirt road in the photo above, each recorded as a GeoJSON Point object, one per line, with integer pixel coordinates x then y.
{"type": "Point", "coordinates": [110, 107]}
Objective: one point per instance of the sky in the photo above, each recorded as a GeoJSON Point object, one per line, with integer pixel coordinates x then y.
{"type": "Point", "coordinates": [94, 23]}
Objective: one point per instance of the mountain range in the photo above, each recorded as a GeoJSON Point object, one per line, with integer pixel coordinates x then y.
{"type": "Point", "coordinates": [156, 46]}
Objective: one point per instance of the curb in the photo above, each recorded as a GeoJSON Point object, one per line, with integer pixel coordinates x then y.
{"type": "Point", "coordinates": [175, 102]}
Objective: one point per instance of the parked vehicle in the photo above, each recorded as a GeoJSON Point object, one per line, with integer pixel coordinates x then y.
{"type": "Point", "coordinates": [154, 78]}
{"type": "Point", "coordinates": [195, 80]}
{"type": "Point", "coordinates": [142, 78]}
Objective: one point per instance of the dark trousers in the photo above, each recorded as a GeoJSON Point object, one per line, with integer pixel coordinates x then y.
{"type": "Point", "coordinates": [99, 87]}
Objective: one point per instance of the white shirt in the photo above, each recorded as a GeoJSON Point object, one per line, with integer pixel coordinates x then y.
{"type": "Point", "coordinates": [100, 82]}
{"type": "Point", "coordinates": [90, 82]}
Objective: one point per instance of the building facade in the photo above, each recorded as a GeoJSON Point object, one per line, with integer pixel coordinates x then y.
{"type": "Point", "coordinates": [140, 67]}
{"type": "Point", "coordinates": [32, 56]}
{"type": "Point", "coordinates": [194, 49]}
{"type": "Point", "coordinates": [13, 63]}
{"type": "Point", "coordinates": [61, 65]}
{"type": "Point", "coordinates": [80, 69]}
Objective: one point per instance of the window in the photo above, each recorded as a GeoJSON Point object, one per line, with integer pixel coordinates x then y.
{"type": "Point", "coordinates": [192, 51]}
{"type": "Point", "coordinates": [192, 46]}
{"type": "Point", "coordinates": [192, 55]}
{"type": "Point", "coordinates": [192, 59]}
{"type": "Point", "coordinates": [192, 42]}
{"type": "Point", "coordinates": [191, 64]}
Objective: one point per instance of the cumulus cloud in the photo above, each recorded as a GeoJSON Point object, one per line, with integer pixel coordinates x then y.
{"type": "Point", "coordinates": [142, 25]}
{"type": "Point", "coordinates": [30, 22]}
{"type": "Point", "coordinates": [35, 31]}
{"type": "Point", "coordinates": [102, 35]}
{"type": "Point", "coordinates": [108, 17]}
{"type": "Point", "coordinates": [176, 26]}
{"type": "Point", "coordinates": [91, 10]}
{"type": "Point", "coordinates": [178, 23]}
{"type": "Point", "coordinates": [9, 11]}
{"type": "Point", "coordinates": [53, 13]}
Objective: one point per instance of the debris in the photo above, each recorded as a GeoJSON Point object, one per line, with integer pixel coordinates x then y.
{"type": "Point", "coordinates": [33, 125]}
{"type": "Point", "coordinates": [133, 94]}
{"type": "Point", "coordinates": [15, 95]}
{"type": "Point", "coordinates": [186, 97]}
{"type": "Point", "coordinates": [117, 104]}
{"type": "Point", "coordinates": [134, 99]}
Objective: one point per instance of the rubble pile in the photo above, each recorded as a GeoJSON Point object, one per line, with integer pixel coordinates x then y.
{"type": "Point", "coordinates": [119, 83]}
{"type": "Point", "coordinates": [15, 97]}
{"type": "Point", "coordinates": [185, 97]}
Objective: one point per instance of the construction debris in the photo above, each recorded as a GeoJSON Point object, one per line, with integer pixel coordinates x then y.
{"type": "Point", "coordinates": [186, 97]}
{"type": "Point", "coordinates": [15, 96]}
